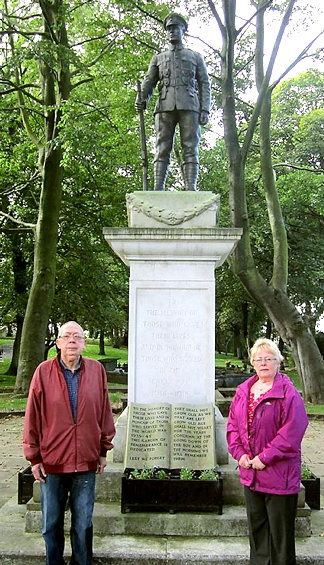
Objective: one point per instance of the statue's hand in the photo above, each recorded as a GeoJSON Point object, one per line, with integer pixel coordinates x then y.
{"type": "Point", "coordinates": [203, 120]}
{"type": "Point", "coordinates": [140, 105]}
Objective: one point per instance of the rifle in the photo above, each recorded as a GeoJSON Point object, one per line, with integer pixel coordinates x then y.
{"type": "Point", "coordinates": [143, 137]}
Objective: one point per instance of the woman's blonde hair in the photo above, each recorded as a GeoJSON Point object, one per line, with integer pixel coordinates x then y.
{"type": "Point", "coordinates": [268, 345]}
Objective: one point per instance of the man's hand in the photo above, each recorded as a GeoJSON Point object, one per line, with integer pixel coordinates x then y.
{"type": "Point", "coordinates": [140, 105]}
{"type": "Point", "coordinates": [101, 465]}
{"type": "Point", "coordinates": [203, 119]}
{"type": "Point", "coordinates": [39, 472]}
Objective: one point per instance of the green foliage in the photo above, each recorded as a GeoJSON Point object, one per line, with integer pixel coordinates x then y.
{"type": "Point", "coordinates": [293, 99]}
{"type": "Point", "coordinates": [111, 46]}
{"type": "Point", "coordinates": [187, 474]}
{"type": "Point", "coordinates": [161, 474]}
{"type": "Point", "coordinates": [309, 140]}
{"type": "Point", "coordinates": [143, 474]}
{"type": "Point", "coordinates": [209, 475]}
{"type": "Point", "coordinates": [297, 131]}
{"type": "Point", "coordinates": [154, 473]}
{"type": "Point", "coordinates": [306, 473]}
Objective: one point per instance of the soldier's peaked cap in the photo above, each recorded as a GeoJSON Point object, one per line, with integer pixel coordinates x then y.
{"type": "Point", "coordinates": [175, 19]}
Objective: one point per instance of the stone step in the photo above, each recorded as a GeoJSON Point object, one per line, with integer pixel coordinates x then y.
{"type": "Point", "coordinates": [108, 520]}
{"type": "Point", "coordinates": [136, 550]}
{"type": "Point", "coordinates": [17, 547]}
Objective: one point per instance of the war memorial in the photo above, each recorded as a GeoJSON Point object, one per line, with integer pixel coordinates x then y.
{"type": "Point", "coordinates": [171, 366]}
{"type": "Point", "coordinates": [173, 247]}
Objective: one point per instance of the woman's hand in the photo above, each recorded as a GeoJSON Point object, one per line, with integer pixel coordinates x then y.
{"type": "Point", "coordinates": [256, 463]}
{"type": "Point", "coordinates": [245, 461]}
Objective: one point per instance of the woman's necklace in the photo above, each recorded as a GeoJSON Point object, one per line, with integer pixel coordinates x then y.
{"type": "Point", "coordinates": [264, 386]}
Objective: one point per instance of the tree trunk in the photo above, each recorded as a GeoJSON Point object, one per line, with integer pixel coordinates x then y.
{"type": "Point", "coordinates": [56, 88]}
{"type": "Point", "coordinates": [20, 296]}
{"type": "Point", "coordinates": [43, 285]}
{"type": "Point", "coordinates": [293, 330]}
{"type": "Point", "coordinates": [12, 369]}
{"type": "Point", "coordinates": [272, 297]}
{"type": "Point", "coordinates": [102, 342]}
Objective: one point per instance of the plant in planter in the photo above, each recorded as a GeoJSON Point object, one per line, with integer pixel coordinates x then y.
{"type": "Point", "coordinates": [179, 490]}
{"type": "Point", "coordinates": [209, 475]}
{"type": "Point", "coordinates": [312, 487]}
{"type": "Point", "coordinates": [144, 474]}
{"type": "Point", "coordinates": [186, 474]}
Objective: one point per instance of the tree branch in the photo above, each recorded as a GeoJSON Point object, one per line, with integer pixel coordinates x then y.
{"type": "Point", "coordinates": [265, 83]}
{"type": "Point", "coordinates": [216, 16]}
{"type": "Point", "coordinates": [302, 55]}
{"type": "Point", "coordinates": [247, 22]}
{"type": "Point", "coordinates": [206, 44]}
{"type": "Point", "coordinates": [297, 168]}
{"type": "Point", "coordinates": [19, 222]}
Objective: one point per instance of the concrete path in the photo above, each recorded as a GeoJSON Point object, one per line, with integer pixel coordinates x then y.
{"type": "Point", "coordinates": [12, 460]}
{"type": "Point", "coordinates": [19, 548]}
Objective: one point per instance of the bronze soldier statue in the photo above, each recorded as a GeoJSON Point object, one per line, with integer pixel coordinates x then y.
{"type": "Point", "coordinates": [184, 99]}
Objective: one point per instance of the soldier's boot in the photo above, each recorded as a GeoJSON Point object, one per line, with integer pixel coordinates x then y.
{"type": "Point", "coordinates": [160, 174]}
{"type": "Point", "coordinates": [191, 175]}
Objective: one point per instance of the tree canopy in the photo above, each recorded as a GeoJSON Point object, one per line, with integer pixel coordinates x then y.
{"type": "Point", "coordinates": [70, 151]}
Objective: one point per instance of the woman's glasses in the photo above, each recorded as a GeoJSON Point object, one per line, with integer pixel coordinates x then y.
{"type": "Point", "coordinates": [264, 359]}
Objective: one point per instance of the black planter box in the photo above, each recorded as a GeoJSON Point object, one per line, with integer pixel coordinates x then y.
{"type": "Point", "coordinates": [171, 495]}
{"type": "Point", "coordinates": [313, 492]}
{"type": "Point", "coordinates": [25, 485]}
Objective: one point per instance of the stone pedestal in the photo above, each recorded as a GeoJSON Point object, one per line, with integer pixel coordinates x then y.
{"type": "Point", "coordinates": [172, 247]}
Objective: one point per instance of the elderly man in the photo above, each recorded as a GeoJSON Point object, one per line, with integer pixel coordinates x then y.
{"type": "Point", "coordinates": [69, 428]}
{"type": "Point", "coordinates": [184, 99]}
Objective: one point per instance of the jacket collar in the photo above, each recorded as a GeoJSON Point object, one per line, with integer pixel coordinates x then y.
{"type": "Point", "coordinates": [277, 390]}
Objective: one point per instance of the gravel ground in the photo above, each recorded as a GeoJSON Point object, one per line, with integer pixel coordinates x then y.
{"type": "Point", "coordinates": [12, 461]}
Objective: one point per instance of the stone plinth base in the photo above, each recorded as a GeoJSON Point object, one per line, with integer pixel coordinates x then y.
{"type": "Point", "coordinates": [171, 209]}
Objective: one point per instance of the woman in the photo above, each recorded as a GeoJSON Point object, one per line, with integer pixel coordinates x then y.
{"type": "Point", "coordinates": [266, 425]}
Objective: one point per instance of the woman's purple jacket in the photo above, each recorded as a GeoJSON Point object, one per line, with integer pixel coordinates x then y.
{"type": "Point", "coordinates": [277, 429]}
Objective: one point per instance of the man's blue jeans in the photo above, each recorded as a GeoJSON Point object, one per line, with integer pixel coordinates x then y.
{"type": "Point", "coordinates": [54, 495]}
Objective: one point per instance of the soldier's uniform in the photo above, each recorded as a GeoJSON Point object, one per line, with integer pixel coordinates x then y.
{"type": "Point", "coordinates": [184, 92]}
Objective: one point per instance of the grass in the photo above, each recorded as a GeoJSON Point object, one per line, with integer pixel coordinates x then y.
{"type": "Point", "coordinates": [314, 408]}
{"type": "Point", "coordinates": [92, 350]}
{"type": "Point", "coordinates": [11, 402]}
{"type": "Point", "coordinates": [8, 401]}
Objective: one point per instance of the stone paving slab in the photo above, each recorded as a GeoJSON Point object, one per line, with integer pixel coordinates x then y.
{"type": "Point", "coordinates": [11, 457]}
{"type": "Point", "coordinates": [12, 460]}
{"type": "Point", "coordinates": [19, 548]}
{"type": "Point", "coordinates": [313, 448]}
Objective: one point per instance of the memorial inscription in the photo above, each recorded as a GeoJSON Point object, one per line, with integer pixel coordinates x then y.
{"type": "Point", "coordinates": [170, 436]}
{"type": "Point", "coordinates": [169, 339]}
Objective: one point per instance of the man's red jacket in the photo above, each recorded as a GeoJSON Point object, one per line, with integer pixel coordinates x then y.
{"type": "Point", "coordinates": [50, 434]}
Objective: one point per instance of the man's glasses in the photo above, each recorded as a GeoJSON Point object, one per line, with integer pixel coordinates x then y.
{"type": "Point", "coordinates": [75, 337]}
{"type": "Point", "coordinates": [265, 359]}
